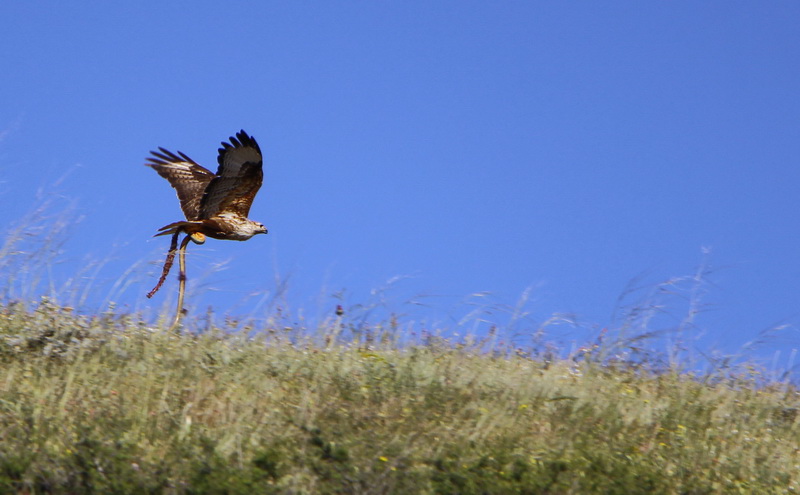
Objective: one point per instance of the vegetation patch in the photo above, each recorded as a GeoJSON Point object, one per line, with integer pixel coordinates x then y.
{"type": "Point", "coordinates": [110, 404]}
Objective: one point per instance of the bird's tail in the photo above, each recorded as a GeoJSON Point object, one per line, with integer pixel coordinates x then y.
{"type": "Point", "coordinates": [191, 228]}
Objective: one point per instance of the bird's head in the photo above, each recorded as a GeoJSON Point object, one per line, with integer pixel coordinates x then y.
{"type": "Point", "coordinates": [257, 228]}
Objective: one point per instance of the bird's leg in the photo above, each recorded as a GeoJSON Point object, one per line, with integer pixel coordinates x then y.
{"type": "Point", "coordinates": [167, 264]}
{"type": "Point", "coordinates": [181, 281]}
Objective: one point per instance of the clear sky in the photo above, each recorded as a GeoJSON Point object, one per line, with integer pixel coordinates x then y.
{"type": "Point", "coordinates": [466, 147]}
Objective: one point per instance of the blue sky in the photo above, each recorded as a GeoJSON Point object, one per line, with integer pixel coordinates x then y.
{"type": "Point", "coordinates": [565, 147]}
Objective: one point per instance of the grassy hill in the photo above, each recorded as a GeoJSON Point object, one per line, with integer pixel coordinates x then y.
{"type": "Point", "coordinates": [110, 404]}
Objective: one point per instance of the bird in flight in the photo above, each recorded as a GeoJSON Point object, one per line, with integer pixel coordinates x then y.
{"type": "Point", "coordinates": [215, 205]}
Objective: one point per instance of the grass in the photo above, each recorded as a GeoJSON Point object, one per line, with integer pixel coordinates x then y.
{"type": "Point", "coordinates": [111, 404]}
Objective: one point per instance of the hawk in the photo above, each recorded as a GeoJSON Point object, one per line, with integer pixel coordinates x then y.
{"type": "Point", "coordinates": [215, 205]}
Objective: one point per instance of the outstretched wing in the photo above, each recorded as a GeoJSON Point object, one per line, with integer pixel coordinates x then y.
{"type": "Point", "coordinates": [238, 179]}
{"type": "Point", "coordinates": [189, 179]}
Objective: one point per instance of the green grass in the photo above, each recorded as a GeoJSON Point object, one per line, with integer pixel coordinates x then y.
{"type": "Point", "coordinates": [109, 404]}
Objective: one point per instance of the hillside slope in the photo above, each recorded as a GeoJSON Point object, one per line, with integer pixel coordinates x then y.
{"type": "Point", "coordinates": [110, 404]}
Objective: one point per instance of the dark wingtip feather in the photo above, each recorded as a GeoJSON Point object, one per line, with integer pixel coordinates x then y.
{"type": "Point", "coordinates": [247, 140]}
{"type": "Point", "coordinates": [163, 156]}
{"type": "Point", "coordinates": [240, 140]}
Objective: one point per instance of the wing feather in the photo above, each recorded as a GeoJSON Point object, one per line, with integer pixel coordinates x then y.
{"type": "Point", "coordinates": [189, 179]}
{"type": "Point", "coordinates": [238, 179]}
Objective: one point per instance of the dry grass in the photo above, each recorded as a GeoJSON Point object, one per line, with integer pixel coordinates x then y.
{"type": "Point", "coordinates": [109, 404]}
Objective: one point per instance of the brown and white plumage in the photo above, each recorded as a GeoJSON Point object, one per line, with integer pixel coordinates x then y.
{"type": "Point", "coordinates": [187, 177]}
{"type": "Point", "coordinates": [215, 205]}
